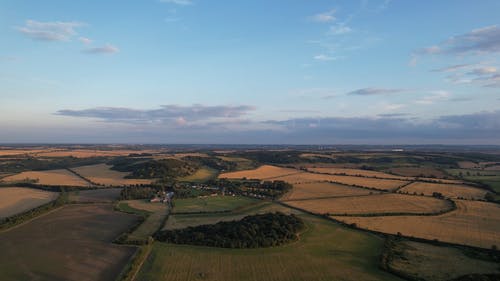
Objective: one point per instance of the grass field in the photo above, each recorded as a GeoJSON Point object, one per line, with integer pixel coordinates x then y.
{"type": "Point", "coordinates": [201, 175]}
{"type": "Point", "coordinates": [428, 172]}
{"type": "Point", "coordinates": [488, 177]}
{"type": "Point", "coordinates": [50, 177]}
{"type": "Point", "coordinates": [448, 190]}
{"type": "Point", "coordinates": [325, 251]}
{"type": "Point", "coordinates": [322, 189]}
{"type": "Point", "coordinates": [105, 195]}
{"type": "Point", "coordinates": [373, 204]}
{"type": "Point", "coordinates": [436, 263]}
{"type": "Point", "coordinates": [71, 243]}
{"type": "Point", "coordinates": [241, 163]}
{"type": "Point", "coordinates": [102, 174]}
{"type": "Point", "coordinates": [263, 172]}
{"type": "Point", "coordinates": [473, 223]}
{"type": "Point", "coordinates": [211, 204]}
{"type": "Point", "coordinates": [15, 200]}
{"type": "Point", "coordinates": [157, 213]}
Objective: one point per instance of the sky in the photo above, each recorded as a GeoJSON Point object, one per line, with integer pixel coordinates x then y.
{"type": "Point", "coordinates": [250, 72]}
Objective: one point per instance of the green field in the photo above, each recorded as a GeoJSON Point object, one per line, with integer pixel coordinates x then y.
{"type": "Point", "coordinates": [182, 221]}
{"type": "Point", "coordinates": [325, 251]}
{"type": "Point", "coordinates": [490, 178]}
{"type": "Point", "coordinates": [203, 174]}
{"type": "Point", "coordinates": [241, 163]}
{"type": "Point", "coordinates": [211, 204]}
{"type": "Point", "coordinates": [155, 215]}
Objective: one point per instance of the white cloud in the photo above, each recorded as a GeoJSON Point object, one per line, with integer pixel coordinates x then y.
{"type": "Point", "coordinates": [50, 31]}
{"type": "Point", "coordinates": [85, 40]}
{"type": "Point", "coordinates": [178, 2]}
{"type": "Point", "coordinates": [436, 96]}
{"type": "Point", "coordinates": [328, 16]}
{"type": "Point", "coordinates": [323, 57]}
{"type": "Point", "coordinates": [339, 29]}
{"type": "Point", "coordinates": [483, 70]}
{"type": "Point", "coordinates": [375, 91]}
{"type": "Point", "coordinates": [106, 49]}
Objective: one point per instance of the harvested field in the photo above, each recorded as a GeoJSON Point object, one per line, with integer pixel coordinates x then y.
{"type": "Point", "coordinates": [154, 221]}
{"type": "Point", "coordinates": [50, 177]}
{"type": "Point", "coordinates": [427, 172]}
{"type": "Point", "coordinates": [263, 172]}
{"type": "Point", "coordinates": [102, 174]}
{"type": "Point", "coordinates": [373, 204]}
{"type": "Point", "coordinates": [71, 243]}
{"type": "Point", "coordinates": [15, 200]}
{"type": "Point", "coordinates": [473, 223]}
{"type": "Point", "coordinates": [448, 190]}
{"type": "Point", "coordinates": [436, 263]}
{"type": "Point", "coordinates": [211, 204]}
{"type": "Point", "coordinates": [318, 255]}
{"type": "Point", "coordinates": [468, 165]}
{"type": "Point", "coordinates": [323, 189]}
{"type": "Point", "coordinates": [382, 184]}
{"type": "Point", "coordinates": [106, 195]}
{"type": "Point", "coordinates": [356, 172]}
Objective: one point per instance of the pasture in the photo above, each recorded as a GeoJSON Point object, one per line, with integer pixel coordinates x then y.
{"type": "Point", "coordinates": [103, 175]}
{"type": "Point", "coordinates": [473, 223]}
{"type": "Point", "coordinates": [448, 190]}
{"type": "Point", "coordinates": [71, 243]}
{"type": "Point", "coordinates": [325, 251]}
{"type": "Point", "coordinates": [50, 177]}
{"type": "Point", "coordinates": [201, 175]}
{"type": "Point", "coordinates": [156, 216]}
{"type": "Point", "coordinates": [322, 189]}
{"type": "Point", "coordinates": [16, 200]}
{"type": "Point", "coordinates": [211, 204]}
{"type": "Point", "coordinates": [373, 204]}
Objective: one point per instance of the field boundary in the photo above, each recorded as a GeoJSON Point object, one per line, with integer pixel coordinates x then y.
{"type": "Point", "coordinates": [82, 177]}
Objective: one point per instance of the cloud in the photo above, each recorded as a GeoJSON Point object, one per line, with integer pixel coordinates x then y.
{"type": "Point", "coordinates": [50, 31]}
{"type": "Point", "coordinates": [339, 29]}
{"type": "Point", "coordinates": [174, 114]}
{"type": "Point", "coordinates": [452, 68]}
{"type": "Point", "coordinates": [328, 16]}
{"type": "Point", "coordinates": [323, 57]}
{"type": "Point", "coordinates": [85, 40]}
{"type": "Point", "coordinates": [483, 71]}
{"type": "Point", "coordinates": [178, 2]}
{"type": "Point", "coordinates": [436, 96]}
{"type": "Point", "coordinates": [106, 49]}
{"type": "Point", "coordinates": [375, 91]}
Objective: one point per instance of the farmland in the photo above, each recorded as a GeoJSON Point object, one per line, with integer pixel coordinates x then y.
{"type": "Point", "coordinates": [355, 172]}
{"type": "Point", "coordinates": [72, 243]}
{"type": "Point", "coordinates": [316, 256]}
{"type": "Point", "coordinates": [102, 174]}
{"type": "Point", "coordinates": [323, 189]}
{"type": "Point", "coordinates": [15, 200]}
{"type": "Point", "coordinates": [50, 177]}
{"type": "Point", "coordinates": [156, 217]}
{"type": "Point", "coordinates": [263, 172]}
{"type": "Point", "coordinates": [211, 204]}
{"type": "Point", "coordinates": [107, 195]}
{"type": "Point", "coordinates": [201, 175]}
{"type": "Point", "coordinates": [448, 190]}
{"type": "Point", "coordinates": [393, 203]}
{"type": "Point", "coordinates": [473, 223]}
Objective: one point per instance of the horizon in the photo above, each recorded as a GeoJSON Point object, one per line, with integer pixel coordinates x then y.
{"type": "Point", "coordinates": [194, 72]}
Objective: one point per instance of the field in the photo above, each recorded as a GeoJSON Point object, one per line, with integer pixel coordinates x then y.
{"type": "Point", "coordinates": [355, 172]}
{"type": "Point", "coordinates": [263, 172]}
{"type": "Point", "coordinates": [322, 189]}
{"type": "Point", "coordinates": [15, 200]}
{"type": "Point", "coordinates": [106, 195]}
{"type": "Point", "coordinates": [373, 204]}
{"type": "Point", "coordinates": [436, 263]}
{"type": "Point", "coordinates": [211, 204]}
{"type": "Point", "coordinates": [428, 172]}
{"type": "Point", "coordinates": [473, 223]}
{"type": "Point", "coordinates": [201, 175]}
{"type": "Point", "coordinates": [318, 255]}
{"type": "Point", "coordinates": [102, 174]}
{"type": "Point", "coordinates": [241, 163]}
{"type": "Point", "coordinates": [71, 243]}
{"type": "Point", "coordinates": [488, 177]}
{"type": "Point", "coordinates": [50, 177]}
{"type": "Point", "coordinates": [158, 212]}
{"type": "Point", "coordinates": [86, 153]}
{"type": "Point", "coordinates": [448, 190]}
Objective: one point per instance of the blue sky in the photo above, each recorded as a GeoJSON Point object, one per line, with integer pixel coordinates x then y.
{"type": "Point", "coordinates": [297, 71]}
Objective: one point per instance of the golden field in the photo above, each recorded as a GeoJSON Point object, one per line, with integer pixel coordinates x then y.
{"type": "Point", "coordinates": [49, 177]}
{"type": "Point", "coordinates": [102, 174]}
{"type": "Point", "coordinates": [356, 172]}
{"type": "Point", "coordinates": [15, 200]}
{"type": "Point", "coordinates": [448, 190]}
{"type": "Point", "coordinates": [322, 189]}
{"type": "Point", "coordinates": [262, 173]}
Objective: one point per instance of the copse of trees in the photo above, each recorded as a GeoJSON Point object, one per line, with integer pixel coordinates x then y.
{"type": "Point", "coordinates": [264, 230]}
{"type": "Point", "coordinates": [144, 168]}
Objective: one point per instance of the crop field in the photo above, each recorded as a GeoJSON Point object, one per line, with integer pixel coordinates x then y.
{"type": "Point", "coordinates": [211, 204]}
{"type": "Point", "coordinates": [15, 200]}
{"type": "Point", "coordinates": [102, 174]}
{"type": "Point", "coordinates": [473, 223]}
{"type": "Point", "coordinates": [373, 204]}
{"type": "Point", "coordinates": [356, 172]}
{"type": "Point", "coordinates": [437, 263]}
{"type": "Point", "coordinates": [263, 172]}
{"type": "Point", "coordinates": [71, 243]}
{"type": "Point", "coordinates": [87, 153]}
{"type": "Point", "coordinates": [105, 195]}
{"type": "Point", "coordinates": [158, 212]}
{"type": "Point", "coordinates": [448, 190]}
{"type": "Point", "coordinates": [241, 163]}
{"type": "Point", "coordinates": [176, 221]}
{"type": "Point", "coordinates": [201, 175]}
{"type": "Point", "coordinates": [428, 172]}
{"type": "Point", "coordinates": [50, 177]}
{"type": "Point", "coordinates": [488, 177]}
{"type": "Point", "coordinates": [322, 189]}
{"type": "Point", "coordinates": [382, 184]}
{"type": "Point", "coordinates": [318, 255]}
